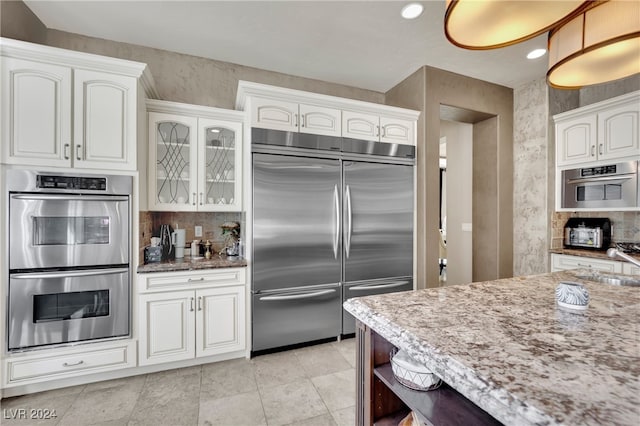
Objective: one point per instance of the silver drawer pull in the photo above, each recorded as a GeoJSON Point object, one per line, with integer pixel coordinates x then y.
{"type": "Point", "coordinates": [66, 364]}
{"type": "Point", "coordinates": [195, 279]}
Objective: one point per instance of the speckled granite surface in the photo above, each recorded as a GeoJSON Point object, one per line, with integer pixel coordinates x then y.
{"type": "Point", "coordinates": [507, 347]}
{"type": "Point", "coordinates": [187, 264]}
{"type": "Point", "coordinates": [598, 254]}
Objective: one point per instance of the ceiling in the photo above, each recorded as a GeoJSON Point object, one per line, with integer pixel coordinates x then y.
{"type": "Point", "coordinates": [363, 44]}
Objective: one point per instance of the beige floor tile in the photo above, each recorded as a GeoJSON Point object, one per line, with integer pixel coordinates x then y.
{"type": "Point", "coordinates": [291, 402]}
{"type": "Point", "coordinates": [244, 409]}
{"type": "Point", "coordinates": [321, 360]}
{"type": "Point", "coordinates": [337, 390]}
{"type": "Point", "coordinates": [227, 378]}
{"type": "Point", "coordinates": [131, 383]}
{"type": "Point", "coordinates": [347, 349]}
{"type": "Point", "coordinates": [35, 409]}
{"type": "Point", "coordinates": [168, 399]}
{"type": "Point", "coordinates": [324, 420]}
{"type": "Point", "coordinates": [345, 416]}
{"type": "Point", "coordinates": [277, 369]}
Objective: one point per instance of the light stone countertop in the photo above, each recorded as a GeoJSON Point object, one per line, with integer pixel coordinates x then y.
{"type": "Point", "coordinates": [511, 350]}
{"type": "Point", "coordinates": [188, 264]}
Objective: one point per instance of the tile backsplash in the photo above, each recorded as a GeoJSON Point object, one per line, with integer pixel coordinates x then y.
{"type": "Point", "coordinates": [150, 226]}
{"type": "Point", "coordinates": [625, 225]}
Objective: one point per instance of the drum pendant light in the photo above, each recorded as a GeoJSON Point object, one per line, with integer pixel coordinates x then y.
{"type": "Point", "coordinates": [600, 44]}
{"type": "Point", "coordinates": [489, 24]}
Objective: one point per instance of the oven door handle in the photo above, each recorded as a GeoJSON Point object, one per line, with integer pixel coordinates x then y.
{"type": "Point", "coordinates": [603, 178]}
{"type": "Point", "coordinates": [70, 274]}
{"type": "Point", "coordinates": [66, 197]}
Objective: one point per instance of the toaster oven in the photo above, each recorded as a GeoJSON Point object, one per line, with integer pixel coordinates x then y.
{"type": "Point", "coordinates": [590, 233]}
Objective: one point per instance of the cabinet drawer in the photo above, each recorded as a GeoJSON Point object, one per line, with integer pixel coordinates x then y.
{"type": "Point", "coordinates": [561, 262]}
{"type": "Point", "coordinates": [630, 269]}
{"type": "Point", "coordinates": [43, 367]}
{"type": "Point", "coordinates": [162, 281]}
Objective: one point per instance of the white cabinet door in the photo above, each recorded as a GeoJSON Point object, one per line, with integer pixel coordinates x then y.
{"type": "Point", "coordinates": [219, 165]}
{"type": "Point", "coordinates": [576, 140]}
{"type": "Point", "coordinates": [618, 132]}
{"type": "Point", "coordinates": [562, 262]}
{"type": "Point", "coordinates": [274, 114]}
{"type": "Point", "coordinates": [630, 269]}
{"type": "Point", "coordinates": [360, 126]}
{"type": "Point", "coordinates": [220, 325]}
{"type": "Point", "coordinates": [173, 166]}
{"type": "Point", "coordinates": [320, 121]}
{"type": "Point", "coordinates": [105, 107]}
{"type": "Point", "coordinates": [36, 113]}
{"type": "Point", "coordinates": [167, 327]}
{"type": "Point", "coordinates": [396, 131]}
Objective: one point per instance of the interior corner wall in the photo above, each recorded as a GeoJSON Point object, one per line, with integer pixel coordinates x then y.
{"type": "Point", "coordinates": [410, 93]}
{"type": "Point", "coordinates": [530, 179]}
{"type": "Point", "coordinates": [17, 21]}
{"type": "Point", "coordinates": [446, 88]}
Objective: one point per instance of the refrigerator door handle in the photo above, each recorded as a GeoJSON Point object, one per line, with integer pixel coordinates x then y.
{"type": "Point", "coordinates": [336, 238]}
{"type": "Point", "coordinates": [298, 296]}
{"type": "Point", "coordinates": [349, 222]}
{"type": "Point", "coordinates": [375, 287]}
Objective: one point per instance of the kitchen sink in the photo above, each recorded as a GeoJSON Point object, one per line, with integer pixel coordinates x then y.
{"type": "Point", "coordinates": [611, 279]}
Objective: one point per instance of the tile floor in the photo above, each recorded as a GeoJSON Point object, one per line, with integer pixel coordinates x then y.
{"type": "Point", "coordinates": [309, 386]}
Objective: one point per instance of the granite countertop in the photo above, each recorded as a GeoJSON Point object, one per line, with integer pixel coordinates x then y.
{"type": "Point", "coordinates": [598, 254]}
{"type": "Point", "coordinates": [508, 348]}
{"type": "Point", "coordinates": [188, 264]}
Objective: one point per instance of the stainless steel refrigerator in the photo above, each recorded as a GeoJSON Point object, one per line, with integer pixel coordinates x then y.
{"type": "Point", "coordinates": [332, 219]}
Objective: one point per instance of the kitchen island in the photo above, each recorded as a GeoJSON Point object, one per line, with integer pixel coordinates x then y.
{"type": "Point", "coordinates": [504, 348]}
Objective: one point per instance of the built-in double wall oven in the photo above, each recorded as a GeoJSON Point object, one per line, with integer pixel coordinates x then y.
{"type": "Point", "coordinates": [69, 258]}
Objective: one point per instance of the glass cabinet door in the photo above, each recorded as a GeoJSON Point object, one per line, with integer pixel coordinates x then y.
{"type": "Point", "coordinates": [220, 165]}
{"type": "Point", "coordinates": [172, 184]}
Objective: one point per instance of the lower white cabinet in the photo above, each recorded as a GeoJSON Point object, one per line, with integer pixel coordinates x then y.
{"type": "Point", "coordinates": [630, 269]}
{"type": "Point", "coordinates": [202, 319]}
{"type": "Point", "coordinates": [563, 262]}
{"type": "Point", "coordinates": [61, 363]}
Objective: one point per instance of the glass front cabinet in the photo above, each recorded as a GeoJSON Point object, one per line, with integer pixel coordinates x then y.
{"type": "Point", "coordinates": [194, 160]}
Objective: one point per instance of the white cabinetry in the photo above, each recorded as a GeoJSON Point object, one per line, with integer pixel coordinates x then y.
{"type": "Point", "coordinates": [195, 157]}
{"type": "Point", "coordinates": [185, 315]}
{"type": "Point", "coordinates": [294, 117]}
{"type": "Point", "coordinates": [629, 269]}
{"type": "Point", "coordinates": [297, 111]}
{"type": "Point", "coordinates": [67, 109]}
{"type": "Point", "coordinates": [562, 262]}
{"type": "Point", "coordinates": [604, 131]}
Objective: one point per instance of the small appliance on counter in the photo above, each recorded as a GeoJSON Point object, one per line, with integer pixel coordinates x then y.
{"type": "Point", "coordinates": [152, 254]}
{"type": "Point", "coordinates": [166, 242]}
{"type": "Point", "coordinates": [590, 233]}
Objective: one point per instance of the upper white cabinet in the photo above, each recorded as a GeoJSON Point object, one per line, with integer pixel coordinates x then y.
{"type": "Point", "coordinates": [377, 128]}
{"type": "Point", "coordinates": [604, 131]}
{"type": "Point", "coordinates": [294, 117]}
{"type": "Point", "coordinates": [297, 111]}
{"type": "Point", "coordinates": [85, 107]}
{"type": "Point", "coordinates": [195, 157]}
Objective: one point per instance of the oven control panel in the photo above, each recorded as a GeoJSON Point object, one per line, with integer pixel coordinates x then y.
{"type": "Point", "coordinates": [71, 182]}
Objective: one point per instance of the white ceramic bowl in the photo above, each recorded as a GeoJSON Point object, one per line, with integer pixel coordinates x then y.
{"type": "Point", "coordinates": [572, 295]}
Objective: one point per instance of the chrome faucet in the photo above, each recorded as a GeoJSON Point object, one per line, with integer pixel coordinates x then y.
{"type": "Point", "coordinates": [612, 252]}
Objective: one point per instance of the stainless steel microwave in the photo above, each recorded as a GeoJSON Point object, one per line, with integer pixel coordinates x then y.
{"type": "Point", "coordinates": [609, 186]}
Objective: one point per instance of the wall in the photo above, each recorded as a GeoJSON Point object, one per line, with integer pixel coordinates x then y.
{"type": "Point", "coordinates": [426, 90]}
{"type": "Point", "coordinates": [459, 204]}
{"type": "Point", "coordinates": [19, 22]}
{"type": "Point", "coordinates": [530, 158]}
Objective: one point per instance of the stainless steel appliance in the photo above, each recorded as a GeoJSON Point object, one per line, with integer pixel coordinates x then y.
{"type": "Point", "coordinates": [69, 262]}
{"type": "Point", "coordinates": [332, 218]}
{"type": "Point", "coordinates": [592, 233]}
{"type": "Point", "coordinates": [610, 186]}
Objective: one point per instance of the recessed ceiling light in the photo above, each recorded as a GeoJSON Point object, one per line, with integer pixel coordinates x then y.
{"type": "Point", "coordinates": [536, 53]}
{"type": "Point", "coordinates": [412, 11]}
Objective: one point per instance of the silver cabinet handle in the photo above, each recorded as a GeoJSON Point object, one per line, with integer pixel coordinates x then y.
{"type": "Point", "coordinates": [201, 198]}
{"type": "Point", "coordinates": [191, 302]}
{"type": "Point", "coordinates": [593, 150]}
{"type": "Point", "coordinates": [384, 131]}
{"type": "Point", "coordinates": [302, 117]}
{"type": "Point", "coordinates": [349, 222]}
{"type": "Point", "coordinates": [601, 150]}
{"type": "Point", "coordinates": [65, 197]}
{"type": "Point", "coordinates": [295, 120]}
{"type": "Point", "coordinates": [78, 152]}
{"type": "Point", "coordinates": [67, 274]}
{"type": "Point", "coordinates": [66, 150]}
{"type": "Point", "coordinates": [603, 178]}
{"type": "Point", "coordinates": [377, 130]}
{"type": "Point", "coordinates": [195, 279]}
{"type": "Point", "coordinates": [336, 238]}
{"type": "Point", "coordinates": [585, 266]}
{"type": "Point", "coordinates": [376, 287]}
{"type": "Point", "coordinates": [200, 303]}
{"type": "Point", "coordinates": [194, 199]}
{"type": "Point", "coordinates": [66, 364]}
{"type": "Point", "coordinates": [298, 296]}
